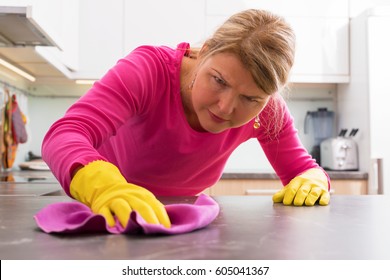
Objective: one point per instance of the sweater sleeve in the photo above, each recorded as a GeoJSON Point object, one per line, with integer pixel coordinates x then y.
{"type": "Point", "coordinates": [284, 149]}
{"type": "Point", "coordinates": [124, 91]}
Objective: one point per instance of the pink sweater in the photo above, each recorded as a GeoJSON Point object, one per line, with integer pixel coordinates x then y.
{"type": "Point", "coordinates": [133, 117]}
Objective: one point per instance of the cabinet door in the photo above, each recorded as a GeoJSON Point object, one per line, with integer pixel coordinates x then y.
{"type": "Point", "coordinates": [296, 8]}
{"type": "Point", "coordinates": [101, 37]}
{"type": "Point", "coordinates": [322, 47]}
{"type": "Point", "coordinates": [168, 22]}
{"type": "Point", "coordinates": [322, 34]}
{"type": "Point", "coordinates": [245, 187]}
{"type": "Point", "coordinates": [349, 187]}
{"type": "Point", "coordinates": [271, 186]}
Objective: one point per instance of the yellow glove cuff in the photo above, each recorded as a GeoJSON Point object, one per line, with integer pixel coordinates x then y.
{"type": "Point", "coordinates": [89, 179]}
{"type": "Point", "coordinates": [316, 176]}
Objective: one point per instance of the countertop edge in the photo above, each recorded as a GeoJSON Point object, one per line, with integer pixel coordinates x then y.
{"type": "Point", "coordinates": [334, 175]}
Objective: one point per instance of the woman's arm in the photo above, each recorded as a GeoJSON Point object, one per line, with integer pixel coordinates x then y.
{"type": "Point", "coordinates": [283, 148]}
{"type": "Point", "coordinates": [126, 90]}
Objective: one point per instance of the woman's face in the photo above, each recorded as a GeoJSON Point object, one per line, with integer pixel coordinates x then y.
{"type": "Point", "coordinates": [224, 94]}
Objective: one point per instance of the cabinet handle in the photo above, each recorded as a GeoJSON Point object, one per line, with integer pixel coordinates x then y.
{"type": "Point", "coordinates": [260, 192]}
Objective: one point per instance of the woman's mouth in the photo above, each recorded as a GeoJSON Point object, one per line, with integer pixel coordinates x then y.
{"type": "Point", "coordinates": [215, 118]}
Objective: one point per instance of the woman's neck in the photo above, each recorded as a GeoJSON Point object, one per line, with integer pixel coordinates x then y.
{"type": "Point", "coordinates": [187, 76]}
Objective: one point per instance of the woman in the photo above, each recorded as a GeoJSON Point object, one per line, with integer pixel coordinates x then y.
{"type": "Point", "coordinates": [164, 121]}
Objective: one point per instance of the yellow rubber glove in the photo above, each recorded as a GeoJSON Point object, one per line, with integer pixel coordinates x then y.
{"type": "Point", "coordinates": [101, 186]}
{"type": "Point", "coordinates": [307, 188]}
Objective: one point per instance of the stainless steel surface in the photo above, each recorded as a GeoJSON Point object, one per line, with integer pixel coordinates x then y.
{"type": "Point", "coordinates": [18, 28]}
{"type": "Point", "coordinates": [335, 175]}
{"type": "Point", "coordinates": [26, 189]}
{"type": "Point", "coordinates": [339, 153]}
{"type": "Point", "coordinates": [380, 176]}
{"type": "Point", "coordinates": [351, 227]}
{"type": "Point", "coordinates": [39, 177]}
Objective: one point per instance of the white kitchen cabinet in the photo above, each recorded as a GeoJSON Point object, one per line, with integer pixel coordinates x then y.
{"type": "Point", "coordinates": [101, 34]}
{"type": "Point", "coordinates": [94, 34]}
{"type": "Point", "coordinates": [296, 8]}
{"type": "Point", "coordinates": [322, 50]}
{"type": "Point", "coordinates": [322, 34]}
{"type": "Point", "coordinates": [110, 30]}
{"type": "Point", "coordinates": [168, 22]}
{"type": "Point", "coordinates": [97, 40]}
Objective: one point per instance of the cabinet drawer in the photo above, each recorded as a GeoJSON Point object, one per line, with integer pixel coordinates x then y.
{"type": "Point", "coordinates": [245, 187]}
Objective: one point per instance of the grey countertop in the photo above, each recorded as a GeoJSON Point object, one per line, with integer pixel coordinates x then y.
{"type": "Point", "coordinates": [47, 176]}
{"type": "Point", "coordinates": [28, 189]}
{"type": "Point", "coordinates": [248, 227]}
{"type": "Point", "coordinates": [334, 175]}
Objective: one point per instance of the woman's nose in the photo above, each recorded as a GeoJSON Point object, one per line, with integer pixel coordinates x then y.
{"type": "Point", "coordinates": [227, 103]}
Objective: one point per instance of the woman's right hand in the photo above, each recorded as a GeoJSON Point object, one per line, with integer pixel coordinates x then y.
{"type": "Point", "coordinates": [101, 186]}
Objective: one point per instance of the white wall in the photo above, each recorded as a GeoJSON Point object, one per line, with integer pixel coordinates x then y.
{"type": "Point", "coordinates": [43, 112]}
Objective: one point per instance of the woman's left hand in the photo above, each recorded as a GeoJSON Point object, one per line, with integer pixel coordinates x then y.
{"type": "Point", "coordinates": [307, 188]}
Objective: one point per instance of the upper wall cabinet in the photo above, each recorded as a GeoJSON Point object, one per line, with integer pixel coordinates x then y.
{"type": "Point", "coordinates": [167, 22]}
{"type": "Point", "coordinates": [321, 29]}
{"type": "Point", "coordinates": [101, 36]}
{"type": "Point", "coordinates": [92, 35]}
{"type": "Point", "coordinates": [322, 50]}
{"type": "Point", "coordinates": [296, 8]}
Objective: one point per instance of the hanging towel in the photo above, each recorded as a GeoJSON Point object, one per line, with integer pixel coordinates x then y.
{"type": "Point", "coordinates": [19, 132]}
{"type": "Point", "coordinates": [75, 217]}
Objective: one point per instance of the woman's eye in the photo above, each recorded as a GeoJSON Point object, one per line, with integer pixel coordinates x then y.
{"type": "Point", "coordinates": [219, 80]}
{"type": "Point", "coordinates": [251, 99]}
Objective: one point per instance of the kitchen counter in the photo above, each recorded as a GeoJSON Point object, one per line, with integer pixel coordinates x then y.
{"type": "Point", "coordinates": [47, 176]}
{"type": "Point", "coordinates": [27, 176]}
{"type": "Point", "coordinates": [334, 175]}
{"type": "Point", "coordinates": [29, 183]}
{"type": "Point", "coordinates": [248, 227]}
{"type": "Point", "coordinates": [28, 189]}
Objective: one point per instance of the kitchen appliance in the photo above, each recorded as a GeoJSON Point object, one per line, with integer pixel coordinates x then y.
{"type": "Point", "coordinates": [340, 153]}
{"type": "Point", "coordinates": [320, 125]}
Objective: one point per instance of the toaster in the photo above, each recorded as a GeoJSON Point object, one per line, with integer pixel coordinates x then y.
{"type": "Point", "coordinates": [340, 153]}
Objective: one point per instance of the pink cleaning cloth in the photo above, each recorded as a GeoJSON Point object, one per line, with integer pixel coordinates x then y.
{"type": "Point", "coordinates": [75, 217]}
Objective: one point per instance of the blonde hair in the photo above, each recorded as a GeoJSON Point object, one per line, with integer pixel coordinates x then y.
{"type": "Point", "coordinates": [265, 43]}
